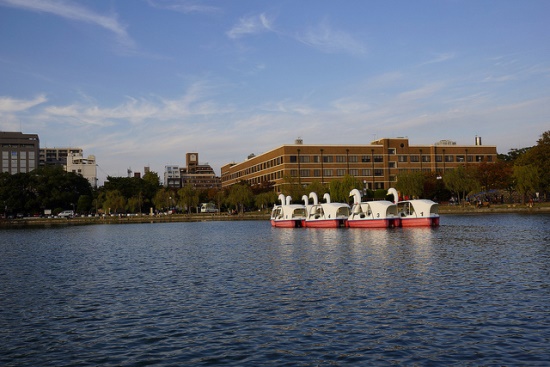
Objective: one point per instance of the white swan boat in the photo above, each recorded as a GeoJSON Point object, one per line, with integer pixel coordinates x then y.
{"type": "Point", "coordinates": [372, 214]}
{"type": "Point", "coordinates": [326, 215]}
{"type": "Point", "coordinates": [288, 215]}
{"type": "Point", "coordinates": [417, 212]}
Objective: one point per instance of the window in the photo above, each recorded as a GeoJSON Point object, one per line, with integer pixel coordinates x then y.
{"type": "Point", "coordinates": [340, 158]}
{"type": "Point", "coordinates": [316, 173]}
{"type": "Point", "coordinates": [354, 172]}
{"type": "Point", "coordinates": [479, 158]}
{"type": "Point", "coordinates": [391, 164]}
{"type": "Point", "coordinates": [378, 172]}
{"type": "Point", "coordinates": [328, 159]}
{"type": "Point", "coordinates": [402, 158]}
{"type": "Point", "coordinates": [426, 158]}
{"type": "Point", "coordinates": [378, 158]}
{"type": "Point", "coordinates": [438, 158]}
{"type": "Point", "coordinates": [304, 173]}
{"type": "Point", "coordinates": [391, 151]}
{"type": "Point", "coordinates": [415, 158]}
{"type": "Point", "coordinates": [293, 159]}
{"type": "Point", "coordinates": [352, 158]}
{"type": "Point", "coordinates": [304, 158]}
{"type": "Point", "coordinates": [340, 172]}
{"type": "Point", "coordinates": [450, 158]}
{"type": "Point", "coordinates": [327, 172]}
{"type": "Point", "coordinates": [366, 172]}
{"type": "Point", "coordinates": [365, 158]}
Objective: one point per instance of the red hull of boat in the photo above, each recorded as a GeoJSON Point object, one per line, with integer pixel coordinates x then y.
{"type": "Point", "coordinates": [294, 223]}
{"type": "Point", "coordinates": [326, 223]}
{"type": "Point", "coordinates": [420, 222]}
{"type": "Point", "coordinates": [374, 223]}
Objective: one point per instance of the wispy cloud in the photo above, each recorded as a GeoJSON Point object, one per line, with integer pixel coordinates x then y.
{"type": "Point", "coordinates": [323, 37]}
{"type": "Point", "coordinates": [441, 57]}
{"type": "Point", "coordinates": [183, 6]}
{"type": "Point", "coordinates": [76, 12]}
{"type": "Point", "coordinates": [251, 25]}
{"type": "Point", "coordinates": [8, 104]}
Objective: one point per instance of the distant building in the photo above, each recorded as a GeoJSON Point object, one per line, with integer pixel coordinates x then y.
{"type": "Point", "coordinates": [19, 152]}
{"type": "Point", "coordinates": [200, 176]}
{"type": "Point", "coordinates": [56, 156]}
{"type": "Point", "coordinates": [376, 164]}
{"type": "Point", "coordinates": [86, 167]}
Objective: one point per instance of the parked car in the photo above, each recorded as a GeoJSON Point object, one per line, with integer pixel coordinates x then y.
{"type": "Point", "coordinates": [66, 214]}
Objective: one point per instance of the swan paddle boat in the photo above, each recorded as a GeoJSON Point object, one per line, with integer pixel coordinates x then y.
{"type": "Point", "coordinates": [372, 214]}
{"type": "Point", "coordinates": [326, 215]}
{"type": "Point", "coordinates": [417, 212]}
{"type": "Point", "coordinates": [288, 215]}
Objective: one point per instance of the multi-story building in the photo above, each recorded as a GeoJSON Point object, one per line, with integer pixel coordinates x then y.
{"type": "Point", "coordinates": [200, 176]}
{"type": "Point", "coordinates": [57, 156]}
{"type": "Point", "coordinates": [86, 167]}
{"type": "Point", "coordinates": [376, 164]}
{"type": "Point", "coordinates": [19, 152]}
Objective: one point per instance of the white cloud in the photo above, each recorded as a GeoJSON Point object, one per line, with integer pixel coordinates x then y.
{"type": "Point", "coordinates": [76, 12]}
{"type": "Point", "coordinates": [328, 40]}
{"type": "Point", "coordinates": [250, 25]}
{"type": "Point", "coordinates": [8, 104]}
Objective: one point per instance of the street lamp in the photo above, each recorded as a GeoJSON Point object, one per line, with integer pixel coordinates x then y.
{"type": "Point", "coordinates": [347, 159]}
{"type": "Point", "coordinates": [420, 160]}
{"type": "Point", "coordinates": [322, 170]}
{"type": "Point", "coordinates": [372, 160]}
{"type": "Point", "coordinates": [443, 161]}
{"type": "Point", "coordinates": [299, 173]}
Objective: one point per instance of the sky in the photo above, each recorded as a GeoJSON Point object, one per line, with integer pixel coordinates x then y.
{"type": "Point", "coordinates": [141, 83]}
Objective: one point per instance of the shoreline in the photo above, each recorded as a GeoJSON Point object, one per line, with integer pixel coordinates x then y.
{"type": "Point", "coordinates": [443, 209]}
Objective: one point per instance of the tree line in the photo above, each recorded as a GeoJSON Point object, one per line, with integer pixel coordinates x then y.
{"type": "Point", "coordinates": [521, 174]}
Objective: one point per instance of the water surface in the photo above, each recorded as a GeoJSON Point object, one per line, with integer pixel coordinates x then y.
{"type": "Point", "coordinates": [474, 292]}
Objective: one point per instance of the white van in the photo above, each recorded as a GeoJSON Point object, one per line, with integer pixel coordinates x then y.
{"type": "Point", "coordinates": [66, 214]}
{"type": "Point", "coordinates": [208, 208]}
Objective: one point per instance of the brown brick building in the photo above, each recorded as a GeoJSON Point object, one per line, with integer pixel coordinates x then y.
{"type": "Point", "coordinates": [376, 164]}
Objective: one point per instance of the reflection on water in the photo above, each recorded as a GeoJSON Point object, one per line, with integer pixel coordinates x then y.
{"type": "Point", "coordinates": [472, 292]}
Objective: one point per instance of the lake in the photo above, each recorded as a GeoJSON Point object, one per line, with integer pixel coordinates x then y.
{"type": "Point", "coordinates": [474, 291]}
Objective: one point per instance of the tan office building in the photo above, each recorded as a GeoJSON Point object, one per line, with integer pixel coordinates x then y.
{"type": "Point", "coordinates": [376, 164]}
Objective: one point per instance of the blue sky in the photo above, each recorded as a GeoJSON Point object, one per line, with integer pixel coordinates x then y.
{"type": "Point", "coordinates": [140, 83]}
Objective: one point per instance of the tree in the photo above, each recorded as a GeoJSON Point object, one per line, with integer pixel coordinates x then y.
{"type": "Point", "coordinates": [114, 202]}
{"type": "Point", "coordinates": [240, 195]}
{"type": "Point", "coordinates": [162, 199]}
{"type": "Point", "coordinates": [265, 199]}
{"type": "Point", "coordinates": [527, 180]}
{"type": "Point", "coordinates": [340, 189]}
{"type": "Point", "coordinates": [188, 197]}
{"type": "Point", "coordinates": [461, 180]}
{"type": "Point", "coordinates": [410, 184]}
{"type": "Point", "coordinates": [539, 157]}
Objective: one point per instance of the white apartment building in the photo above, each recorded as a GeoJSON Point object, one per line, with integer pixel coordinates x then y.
{"type": "Point", "coordinates": [86, 167]}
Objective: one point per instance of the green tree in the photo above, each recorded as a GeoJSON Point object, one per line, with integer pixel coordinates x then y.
{"type": "Point", "coordinates": [410, 184]}
{"type": "Point", "coordinates": [163, 199]}
{"type": "Point", "coordinates": [188, 197]}
{"type": "Point", "coordinates": [265, 199]}
{"type": "Point", "coordinates": [539, 157]}
{"type": "Point", "coordinates": [461, 180]}
{"type": "Point", "coordinates": [114, 202]}
{"type": "Point", "coordinates": [527, 180]}
{"type": "Point", "coordinates": [340, 189]}
{"type": "Point", "coordinates": [240, 195]}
